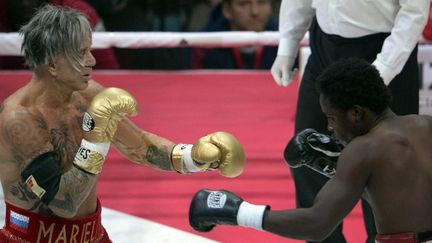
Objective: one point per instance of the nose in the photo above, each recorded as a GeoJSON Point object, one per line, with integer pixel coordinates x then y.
{"type": "Point", "coordinates": [90, 60]}
{"type": "Point", "coordinates": [255, 8]}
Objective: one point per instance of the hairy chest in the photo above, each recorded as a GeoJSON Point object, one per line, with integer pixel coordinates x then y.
{"type": "Point", "coordinates": [65, 133]}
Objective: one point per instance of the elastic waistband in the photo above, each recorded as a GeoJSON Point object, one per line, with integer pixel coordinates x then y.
{"type": "Point", "coordinates": [407, 237]}
{"type": "Point", "coordinates": [24, 226]}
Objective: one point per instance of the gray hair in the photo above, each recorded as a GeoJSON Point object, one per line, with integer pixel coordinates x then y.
{"type": "Point", "coordinates": [53, 31]}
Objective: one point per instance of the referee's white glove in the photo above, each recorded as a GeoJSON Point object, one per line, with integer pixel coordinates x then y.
{"type": "Point", "coordinates": [283, 70]}
{"type": "Point", "coordinates": [386, 73]}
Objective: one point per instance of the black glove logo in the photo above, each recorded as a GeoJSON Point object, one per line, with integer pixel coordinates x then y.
{"type": "Point", "coordinates": [216, 199]}
{"type": "Point", "coordinates": [88, 122]}
{"type": "Point", "coordinates": [315, 150]}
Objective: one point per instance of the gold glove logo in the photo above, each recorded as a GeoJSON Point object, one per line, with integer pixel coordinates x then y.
{"type": "Point", "coordinates": [88, 123]}
{"type": "Point", "coordinates": [216, 199]}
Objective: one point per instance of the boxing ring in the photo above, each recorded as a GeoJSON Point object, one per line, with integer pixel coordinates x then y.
{"type": "Point", "coordinates": [182, 106]}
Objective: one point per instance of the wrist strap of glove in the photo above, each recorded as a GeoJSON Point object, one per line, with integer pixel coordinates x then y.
{"type": "Point", "coordinates": [90, 156]}
{"type": "Point", "coordinates": [250, 215]}
{"type": "Point", "coordinates": [181, 159]}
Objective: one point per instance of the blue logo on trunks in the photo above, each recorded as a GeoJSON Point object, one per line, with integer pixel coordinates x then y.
{"type": "Point", "coordinates": [18, 221]}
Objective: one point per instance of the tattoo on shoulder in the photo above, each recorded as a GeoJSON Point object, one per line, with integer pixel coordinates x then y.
{"type": "Point", "coordinates": [25, 138]}
{"type": "Point", "coordinates": [1, 108]}
{"type": "Point", "coordinates": [159, 157]}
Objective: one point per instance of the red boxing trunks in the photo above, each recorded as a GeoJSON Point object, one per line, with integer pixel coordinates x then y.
{"type": "Point", "coordinates": [22, 226]}
{"type": "Point", "coordinates": [409, 237]}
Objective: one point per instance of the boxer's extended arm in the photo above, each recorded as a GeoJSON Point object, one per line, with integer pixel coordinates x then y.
{"type": "Point", "coordinates": [133, 142]}
{"type": "Point", "coordinates": [219, 150]}
{"type": "Point", "coordinates": [335, 200]}
{"type": "Point", "coordinates": [143, 147]}
{"type": "Point", "coordinates": [27, 138]}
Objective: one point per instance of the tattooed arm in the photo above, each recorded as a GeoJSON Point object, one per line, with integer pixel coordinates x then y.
{"type": "Point", "coordinates": [26, 137]}
{"type": "Point", "coordinates": [134, 143]}
{"type": "Point", "coordinates": [143, 147]}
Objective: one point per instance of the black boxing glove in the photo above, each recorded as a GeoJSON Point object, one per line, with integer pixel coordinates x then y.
{"type": "Point", "coordinates": [315, 150]}
{"type": "Point", "coordinates": [210, 208]}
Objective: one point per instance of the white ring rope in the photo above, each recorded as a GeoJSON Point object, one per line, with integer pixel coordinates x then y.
{"type": "Point", "coordinates": [10, 43]}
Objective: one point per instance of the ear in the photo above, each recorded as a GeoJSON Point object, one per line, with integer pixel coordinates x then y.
{"type": "Point", "coordinates": [226, 11]}
{"type": "Point", "coordinates": [357, 113]}
{"type": "Point", "coordinates": [52, 68]}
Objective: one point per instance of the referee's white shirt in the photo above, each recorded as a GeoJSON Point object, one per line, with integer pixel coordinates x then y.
{"type": "Point", "coordinates": [404, 19]}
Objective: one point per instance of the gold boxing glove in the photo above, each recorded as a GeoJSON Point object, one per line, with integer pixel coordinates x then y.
{"type": "Point", "coordinates": [217, 150]}
{"type": "Point", "coordinates": [100, 122]}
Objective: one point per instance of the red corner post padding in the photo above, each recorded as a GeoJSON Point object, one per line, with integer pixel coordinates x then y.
{"type": "Point", "coordinates": [427, 32]}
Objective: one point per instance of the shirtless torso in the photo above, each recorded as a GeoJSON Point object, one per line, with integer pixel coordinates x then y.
{"type": "Point", "coordinates": [30, 126]}
{"type": "Point", "coordinates": [400, 184]}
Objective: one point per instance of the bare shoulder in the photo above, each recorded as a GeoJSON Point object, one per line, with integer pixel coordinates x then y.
{"type": "Point", "coordinates": [422, 121]}
{"type": "Point", "coordinates": [382, 142]}
{"type": "Point", "coordinates": [93, 88]}
{"type": "Point", "coordinates": [23, 134]}
{"type": "Point", "coordinates": [362, 147]}
{"type": "Point", "coordinates": [359, 155]}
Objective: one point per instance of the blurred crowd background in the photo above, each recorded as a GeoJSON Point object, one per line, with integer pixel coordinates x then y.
{"type": "Point", "coordinates": [164, 16]}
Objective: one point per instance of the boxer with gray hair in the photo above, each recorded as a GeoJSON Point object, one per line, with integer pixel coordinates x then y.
{"type": "Point", "coordinates": [56, 131]}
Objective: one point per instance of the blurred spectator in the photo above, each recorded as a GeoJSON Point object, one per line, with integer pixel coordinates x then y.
{"type": "Point", "coordinates": [238, 15]}
{"type": "Point", "coordinates": [148, 15]}
{"type": "Point", "coordinates": [15, 13]}
{"type": "Point", "coordinates": [427, 32]}
{"type": "Point", "coordinates": [199, 14]}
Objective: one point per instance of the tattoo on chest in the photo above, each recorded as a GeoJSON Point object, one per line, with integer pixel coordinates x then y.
{"type": "Point", "coordinates": [79, 118]}
{"type": "Point", "coordinates": [25, 139]}
{"type": "Point", "coordinates": [82, 109]}
{"type": "Point", "coordinates": [159, 157]}
{"type": "Point", "coordinates": [63, 144]}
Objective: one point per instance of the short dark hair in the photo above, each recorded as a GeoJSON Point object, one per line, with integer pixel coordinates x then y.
{"type": "Point", "coordinates": [354, 81]}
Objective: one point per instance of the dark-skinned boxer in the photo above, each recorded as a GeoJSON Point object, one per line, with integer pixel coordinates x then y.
{"type": "Point", "coordinates": [386, 159]}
